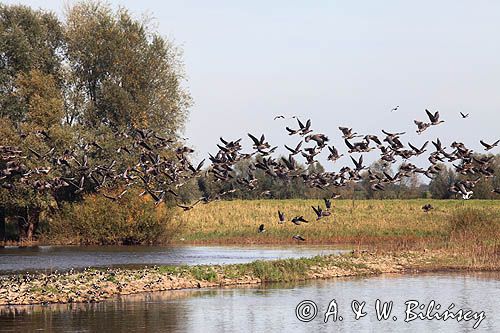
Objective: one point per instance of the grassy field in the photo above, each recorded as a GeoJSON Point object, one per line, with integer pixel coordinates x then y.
{"type": "Point", "coordinates": [465, 226]}
{"type": "Point", "coordinates": [470, 229]}
{"type": "Point", "coordinates": [360, 221]}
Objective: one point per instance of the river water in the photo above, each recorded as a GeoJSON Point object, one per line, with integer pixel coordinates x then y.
{"type": "Point", "coordinates": [50, 258]}
{"type": "Point", "coordinates": [272, 308]}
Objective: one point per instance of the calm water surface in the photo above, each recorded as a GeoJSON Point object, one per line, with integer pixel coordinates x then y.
{"type": "Point", "coordinates": [272, 308]}
{"type": "Point", "coordinates": [47, 258]}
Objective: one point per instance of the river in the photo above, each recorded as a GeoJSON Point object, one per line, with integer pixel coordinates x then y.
{"type": "Point", "coordinates": [50, 258]}
{"type": "Point", "coordinates": [272, 308]}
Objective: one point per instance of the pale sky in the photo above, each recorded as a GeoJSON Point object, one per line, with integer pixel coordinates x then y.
{"type": "Point", "coordinates": [340, 63]}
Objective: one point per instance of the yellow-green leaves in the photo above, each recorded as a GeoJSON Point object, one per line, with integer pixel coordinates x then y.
{"type": "Point", "coordinates": [42, 97]}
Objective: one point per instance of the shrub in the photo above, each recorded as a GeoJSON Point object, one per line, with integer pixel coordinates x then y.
{"type": "Point", "coordinates": [473, 223]}
{"type": "Point", "coordinates": [98, 220]}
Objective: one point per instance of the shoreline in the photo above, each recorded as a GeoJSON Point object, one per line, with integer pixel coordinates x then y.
{"type": "Point", "coordinates": [95, 285]}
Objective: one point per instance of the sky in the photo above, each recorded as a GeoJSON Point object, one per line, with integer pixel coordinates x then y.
{"type": "Point", "coordinates": [338, 63]}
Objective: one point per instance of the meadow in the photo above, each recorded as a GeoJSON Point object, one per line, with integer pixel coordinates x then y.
{"type": "Point", "coordinates": [356, 221]}
{"type": "Point", "coordinates": [468, 227]}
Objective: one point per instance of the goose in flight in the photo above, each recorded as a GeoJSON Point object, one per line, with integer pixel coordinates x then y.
{"type": "Point", "coordinates": [393, 135]}
{"type": "Point", "coordinates": [347, 133]}
{"type": "Point", "coordinates": [45, 134]}
{"type": "Point", "coordinates": [489, 146]}
{"type": "Point", "coordinates": [266, 193]}
{"type": "Point", "coordinates": [304, 129]}
{"type": "Point", "coordinates": [421, 126]}
{"type": "Point", "coordinates": [335, 196]}
{"type": "Point", "coordinates": [259, 143]}
{"type": "Point", "coordinates": [328, 203]}
{"type": "Point", "coordinates": [296, 150]}
{"type": "Point", "coordinates": [186, 208]}
{"type": "Point", "coordinates": [313, 151]}
{"type": "Point", "coordinates": [417, 150]}
{"type": "Point", "coordinates": [157, 198]}
{"type": "Point", "coordinates": [41, 156]}
{"type": "Point", "coordinates": [434, 117]}
{"type": "Point", "coordinates": [358, 147]}
{"type": "Point", "coordinates": [464, 115]}
{"type": "Point", "coordinates": [395, 108]}
{"type": "Point", "coordinates": [377, 187]}
{"type": "Point", "coordinates": [281, 216]}
{"type": "Point", "coordinates": [117, 197]}
{"type": "Point", "coordinates": [267, 153]}
{"type": "Point", "coordinates": [196, 171]}
{"type": "Point", "coordinates": [438, 145]}
{"type": "Point", "coordinates": [334, 154]}
{"type": "Point", "coordinates": [358, 163]}
{"type": "Point", "coordinates": [427, 207]}
{"type": "Point", "coordinates": [290, 163]}
{"type": "Point", "coordinates": [320, 213]}
{"type": "Point", "coordinates": [373, 176]}
{"type": "Point", "coordinates": [297, 220]}
{"type": "Point", "coordinates": [292, 131]}
{"type": "Point", "coordinates": [80, 186]}
{"type": "Point", "coordinates": [125, 149]}
{"type": "Point", "coordinates": [319, 138]}
{"type": "Point", "coordinates": [374, 138]}
{"type": "Point", "coordinates": [393, 139]}
{"type": "Point", "coordinates": [461, 188]}
{"type": "Point", "coordinates": [299, 238]}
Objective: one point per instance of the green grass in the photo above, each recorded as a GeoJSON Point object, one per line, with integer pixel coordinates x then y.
{"type": "Point", "coordinates": [267, 271]}
{"type": "Point", "coordinates": [471, 228]}
{"type": "Point", "coordinates": [205, 273]}
{"type": "Point", "coordinates": [362, 221]}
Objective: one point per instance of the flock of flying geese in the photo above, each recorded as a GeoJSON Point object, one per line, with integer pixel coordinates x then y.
{"type": "Point", "coordinates": [160, 168]}
{"type": "Point", "coordinates": [469, 164]}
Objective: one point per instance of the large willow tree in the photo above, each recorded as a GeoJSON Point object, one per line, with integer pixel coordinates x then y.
{"type": "Point", "coordinates": [98, 73]}
{"type": "Point", "coordinates": [122, 73]}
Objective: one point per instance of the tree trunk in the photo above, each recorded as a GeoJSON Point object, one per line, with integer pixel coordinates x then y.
{"type": "Point", "coordinates": [2, 225]}
{"type": "Point", "coordinates": [28, 223]}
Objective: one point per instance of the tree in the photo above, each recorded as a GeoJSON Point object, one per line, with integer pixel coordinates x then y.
{"type": "Point", "coordinates": [130, 76]}
{"type": "Point", "coordinates": [484, 187]}
{"type": "Point", "coordinates": [378, 167]}
{"type": "Point", "coordinates": [410, 187]}
{"type": "Point", "coordinates": [65, 87]}
{"type": "Point", "coordinates": [29, 40]}
{"type": "Point", "coordinates": [439, 187]}
{"type": "Point", "coordinates": [43, 109]}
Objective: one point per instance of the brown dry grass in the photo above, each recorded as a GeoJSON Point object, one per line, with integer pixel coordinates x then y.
{"type": "Point", "coordinates": [465, 227]}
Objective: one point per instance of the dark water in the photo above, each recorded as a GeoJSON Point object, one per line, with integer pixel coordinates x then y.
{"type": "Point", "coordinates": [272, 308]}
{"type": "Point", "coordinates": [48, 258]}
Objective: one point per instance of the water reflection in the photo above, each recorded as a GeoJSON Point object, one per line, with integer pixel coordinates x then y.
{"type": "Point", "coordinates": [270, 308]}
{"type": "Point", "coordinates": [49, 258]}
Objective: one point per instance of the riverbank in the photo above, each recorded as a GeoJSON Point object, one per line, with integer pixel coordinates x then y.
{"type": "Point", "coordinates": [94, 285]}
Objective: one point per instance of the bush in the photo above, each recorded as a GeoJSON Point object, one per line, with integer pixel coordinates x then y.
{"type": "Point", "coordinates": [474, 223]}
{"type": "Point", "coordinates": [98, 220]}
